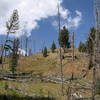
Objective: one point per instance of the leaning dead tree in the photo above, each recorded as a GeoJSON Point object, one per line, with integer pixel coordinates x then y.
{"type": "Point", "coordinates": [12, 26]}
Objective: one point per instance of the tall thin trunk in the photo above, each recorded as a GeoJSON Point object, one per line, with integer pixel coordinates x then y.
{"type": "Point", "coordinates": [73, 46]}
{"type": "Point", "coordinates": [62, 84]}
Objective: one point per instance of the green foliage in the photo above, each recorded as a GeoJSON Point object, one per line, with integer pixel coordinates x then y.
{"type": "Point", "coordinates": [53, 47]}
{"type": "Point", "coordinates": [64, 38]}
{"type": "Point", "coordinates": [45, 52]}
{"type": "Point", "coordinates": [14, 56]}
{"type": "Point", "coordinates": [82, 47]}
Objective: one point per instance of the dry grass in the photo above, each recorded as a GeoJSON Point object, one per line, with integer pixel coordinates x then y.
{"type": "Point", "coordinates": [49, 66]}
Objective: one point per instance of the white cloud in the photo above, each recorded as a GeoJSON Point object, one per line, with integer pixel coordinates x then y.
{"type": "Point", "coordinates": [69, 21]}
{"type": "Point", "coordinates": [64, 13]}
{"type": "Point", "coordinates": [55, 23]}
{"type": "Point", "coordinates": [75, 22]}
{"type": "Point", "coordinates": [21, 52]}
{"type": "Point", "coordinates": [30, 12]}
{"type": "Point", "coordinates": [78, 13]}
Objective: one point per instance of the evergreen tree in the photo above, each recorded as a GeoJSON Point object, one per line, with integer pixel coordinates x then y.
{"type": "Point", "coordinates": [64, 38]}
{"type": "Point", "coordinates": [82, 47]}
{"type": "Point", "coordinates": [45, 52]}
{"type": "Point", "coordinates": [53, 47]}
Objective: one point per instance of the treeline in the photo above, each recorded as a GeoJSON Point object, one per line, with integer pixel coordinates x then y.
{"type": "Point", "coordinates": [89, 44]}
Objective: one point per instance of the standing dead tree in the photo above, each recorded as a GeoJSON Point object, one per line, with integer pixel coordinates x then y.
{"type": "Point", "coordinates": [14, 55]}
{"type": "Point", "coordinates": [12, 26]}
{"type": "Point", "coordinates": [61, 65]}
{"type": "Point", "coordinates": [13, 46]}
{"type": "Point", "coordinates": [96, 47]}
{"type": "Point", "coordinates": [26, 46]}
{"type": "Point", "coordinates": [73, 47]}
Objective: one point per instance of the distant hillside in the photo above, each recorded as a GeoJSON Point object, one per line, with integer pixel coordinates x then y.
{"type": "Point", "coordinates": [50, 65]}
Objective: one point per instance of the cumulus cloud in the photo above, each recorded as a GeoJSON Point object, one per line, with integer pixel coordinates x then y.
{"type": "Point", "coordinates": [75, 22]}
{"type": "Point", "coordinates": [30, 12]}
{"type": "Point", "coordinates": [69, 21]}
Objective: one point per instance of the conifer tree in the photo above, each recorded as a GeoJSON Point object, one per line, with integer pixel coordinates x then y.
{"type": "Point", "coordinates": [45, 52]}
{"type": "Point", "coordinates": [64, 38]}
{"type": "Point", "coordinates": [53, 47]}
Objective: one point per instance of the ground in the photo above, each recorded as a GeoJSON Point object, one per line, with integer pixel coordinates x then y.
{"type": "Point", "coordinates": [49, 66]}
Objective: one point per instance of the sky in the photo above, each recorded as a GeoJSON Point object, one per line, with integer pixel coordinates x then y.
{"type": "Point", "coordinates": [38, 20]}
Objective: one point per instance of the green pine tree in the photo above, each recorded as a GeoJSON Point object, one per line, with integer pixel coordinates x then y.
{"type": "Point", "coordinates": [45, 52]}
{"type": "Point", "coordinates": [64, 38]}
{"type": "Point", "coordinates": [53, 47]}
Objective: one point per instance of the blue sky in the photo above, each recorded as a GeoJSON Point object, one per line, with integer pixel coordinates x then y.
{"type": "Point", "coordinates": [44, 32]}
{"type": "Point", "coordinates": [47, 33]}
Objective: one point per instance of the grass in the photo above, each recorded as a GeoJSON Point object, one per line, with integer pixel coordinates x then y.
{"type": "Point", "coordinates": [47, 66]}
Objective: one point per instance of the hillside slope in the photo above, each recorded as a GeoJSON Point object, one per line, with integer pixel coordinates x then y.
{"type": "Point", "coordinates": [51, 64]}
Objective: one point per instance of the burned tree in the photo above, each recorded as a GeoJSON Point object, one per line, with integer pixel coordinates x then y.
{"type": "Point", "coordinates": [12, 26]}
{"type": "Point", "coordinates": [61, 64]}
{"type": "Point", "coordinates": [13, 46]}
{"type": "Point", "coordinates": [90, 46]}
{"type": "Point", "coordinates": [14, 55]}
